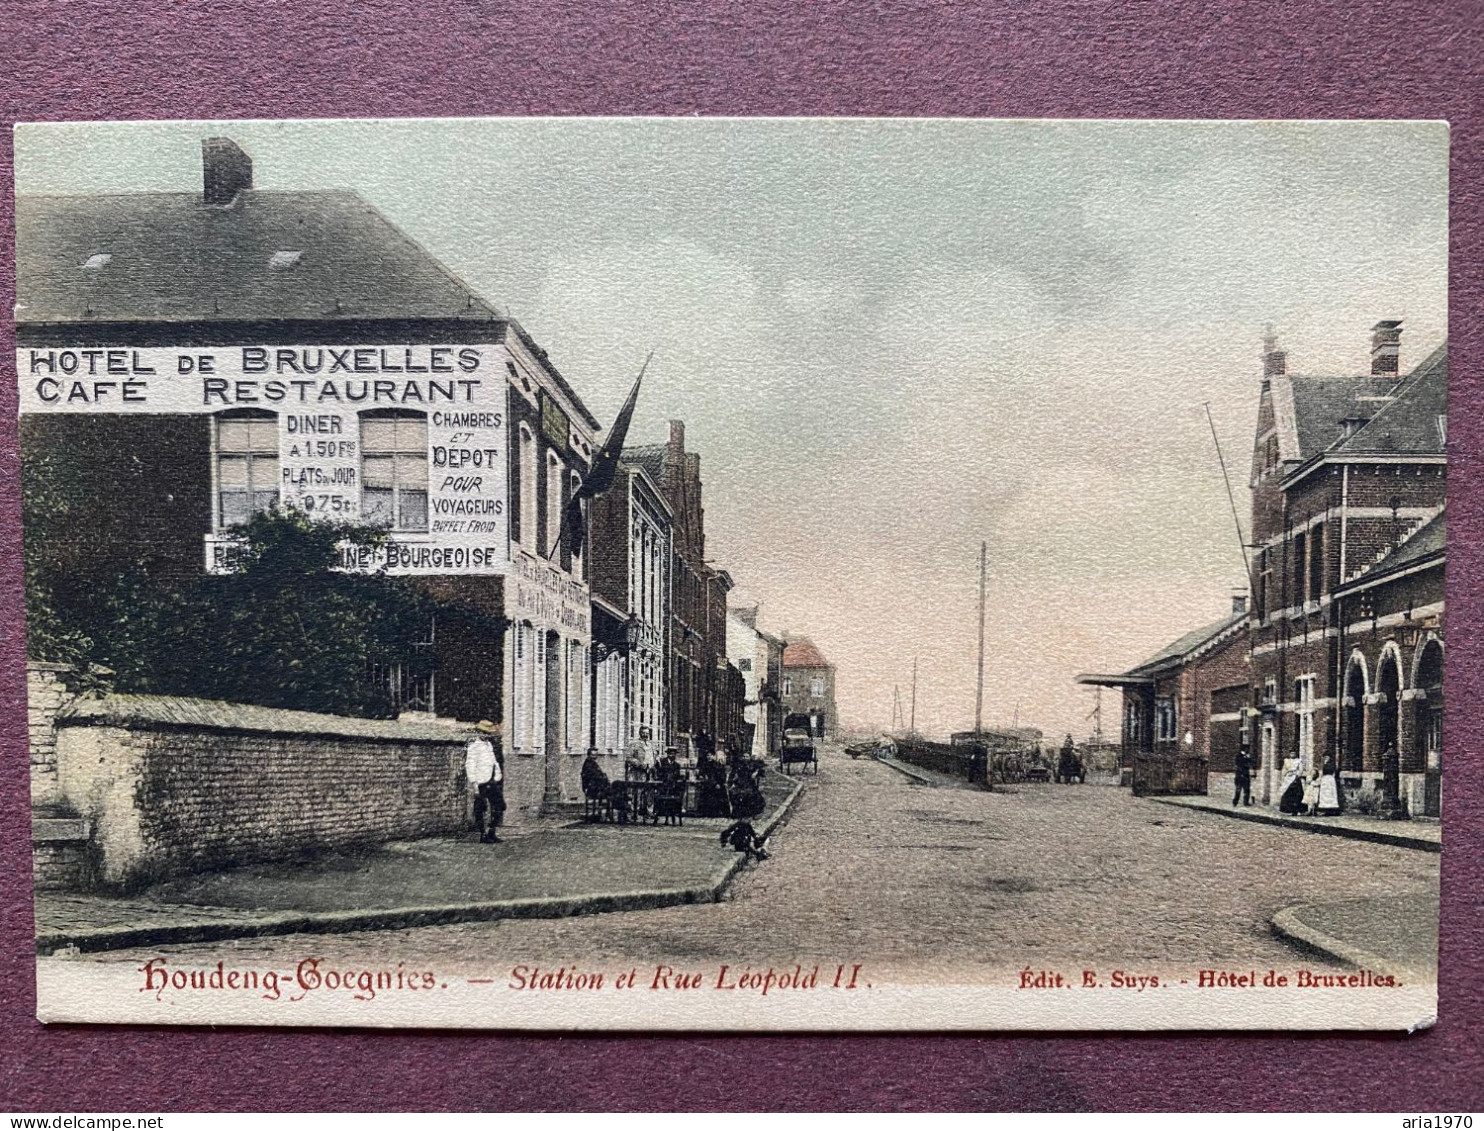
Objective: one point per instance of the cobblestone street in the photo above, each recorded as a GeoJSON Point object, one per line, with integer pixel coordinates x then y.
{"type": "Point", "coordinates": [873, 867]}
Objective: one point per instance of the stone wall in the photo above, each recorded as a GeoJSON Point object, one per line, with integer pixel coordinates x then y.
{"type": "Point", "coordinates": [47, 694]}
{"type": "Point", "coordinates": [171, 786]}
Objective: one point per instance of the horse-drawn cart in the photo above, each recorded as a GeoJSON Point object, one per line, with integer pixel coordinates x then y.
{"type": "Point", "coordinates": [798, 746]}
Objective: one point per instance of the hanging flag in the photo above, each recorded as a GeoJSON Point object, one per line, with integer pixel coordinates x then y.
{"type": "Point", "coordinates": [605, 467]}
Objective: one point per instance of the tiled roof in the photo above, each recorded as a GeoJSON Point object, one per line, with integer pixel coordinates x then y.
{"type": "Point", "coordinates": [1409, 421]}
{"type": "Point", "coordinates": [1429, 540]}
{"type": "Point", "coordinates": [649, 457]}
{"type": "Point", "coordinates": [802, 653]}
{"type": "Point", "coordinates": [1398, 414]}
{"type": "Point", "coordinates": [1174, 652]}
{"type": "Point", "coordinates": [1321, 403]}
{"type": "Point", "coordinates": [172, 258]}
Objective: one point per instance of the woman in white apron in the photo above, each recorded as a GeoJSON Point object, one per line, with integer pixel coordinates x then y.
{"type": "Point", "coordinates": [1291, 795]}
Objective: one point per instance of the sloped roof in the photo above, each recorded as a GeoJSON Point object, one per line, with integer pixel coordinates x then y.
{"type": "Point", "coordinates": [1399, 414]}
{"type": "Point", "coordinates": [651, 457]}
{"type": "Point", "coordinates": [1173, 654]}
{"type": "Point", "coordinates": [1409, 421]}
{"type": "Point", "coordinates": [1320, 404]}
{"type": "Point", "coordinates": [173, 258]}
{"type": "Point", "coordinates": [1429, 541]}
{"type": "Point", "coordinates": [1177, 650]}
{"type": "Point", "coordinates": [802, 653]}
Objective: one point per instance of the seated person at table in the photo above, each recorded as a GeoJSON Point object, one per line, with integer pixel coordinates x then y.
{"type": "Point", "coordinates": [594, 780]}
{"type": "Point", "coordinates": [618, 797]}
{"type": "Point", "coordinates": [668, 769]}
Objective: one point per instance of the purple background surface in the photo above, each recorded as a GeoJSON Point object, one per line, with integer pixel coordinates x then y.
{"type": "Point", "coordinates": [1063, 58]}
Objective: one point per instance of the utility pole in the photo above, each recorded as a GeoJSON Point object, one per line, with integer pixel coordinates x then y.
{"type": "Point", "coordinates": [979, 693]}
{"type": "Point", "coordinates": [912, 726]}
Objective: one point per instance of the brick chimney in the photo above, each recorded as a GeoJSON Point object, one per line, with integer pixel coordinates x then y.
{"type": "Point", "coordinates": [1386, 348]}
{"type": "Point", "coordinates": [677, 435]}
{"type": "Point", "coordinates": [1239, 601]}
{"type": "Point", "coordinates": [1274, 360]}
{"type": "Point", "coordinates": [225, 170]}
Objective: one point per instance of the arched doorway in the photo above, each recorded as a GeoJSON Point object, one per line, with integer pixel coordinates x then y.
{"type": "Point", "coordinates": [1388, 718]}
{"type": "Point", "coordinates": [1353, 721]}
{"type": "Point", "coordinates": [1427, 734]}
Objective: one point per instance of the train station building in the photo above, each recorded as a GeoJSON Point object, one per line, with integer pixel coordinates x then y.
{"type": "Point", "coordinates": [1343, 641]}
{"type": "Point", "coordinates": [1348, 483]}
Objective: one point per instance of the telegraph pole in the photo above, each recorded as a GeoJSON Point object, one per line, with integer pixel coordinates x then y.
{"type": "Point", "coordinates": [979, 693]}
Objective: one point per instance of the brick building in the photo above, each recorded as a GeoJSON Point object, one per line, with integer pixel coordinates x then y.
{"type": "Point", "coordinates": [1182, 708]}
{"type": "Point", "coordinates": [1348, 481]}
{"type": "Point", "coordinates": [809, 686]}
{"type": "Point", "coordinates": [197, 356]}
{"type": "Point", "coordinates": [704, 694]}
{"type": "Point", "coordinates": [630, 566]}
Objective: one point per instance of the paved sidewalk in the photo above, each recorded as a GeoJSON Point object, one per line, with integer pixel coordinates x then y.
{"type": "Point", "coordinates": [553, 870]}
{"type": "Point", "coordinates": [1397, 936]}
{"type": "Point", "coordinates": [1425, 836]}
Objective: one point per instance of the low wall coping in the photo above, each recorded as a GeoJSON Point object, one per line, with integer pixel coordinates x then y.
{"type": "Point", "coordinates": [165, 712]}
{"type": "Point", "coordinates": [48, 830]}
{"type": "Point", "coordinates": [46, 666]}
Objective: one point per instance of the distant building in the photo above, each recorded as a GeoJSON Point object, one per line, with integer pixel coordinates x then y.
{"type": "Point", "coordinates": [809, 686]}
{"type": "Point", "coordinates": [758, 657]}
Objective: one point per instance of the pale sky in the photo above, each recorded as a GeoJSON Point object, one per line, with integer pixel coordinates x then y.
{"type": "Point", "coordinates": [892, 339]}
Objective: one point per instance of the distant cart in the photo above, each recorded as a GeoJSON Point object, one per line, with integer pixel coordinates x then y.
{"type": "Point", "coordinates": [1011, 755]}
{"type": "Point", "coordinates": [798, 747]}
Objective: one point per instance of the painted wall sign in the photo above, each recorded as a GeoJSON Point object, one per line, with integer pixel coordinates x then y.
{"type": "Point", "coordinates": [408, 437]}
{"type": "Point", "coordinates": [556, 425]}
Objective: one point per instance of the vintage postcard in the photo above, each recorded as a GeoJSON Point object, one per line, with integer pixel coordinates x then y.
{"type": "Point", "coordinates": [735, 574]}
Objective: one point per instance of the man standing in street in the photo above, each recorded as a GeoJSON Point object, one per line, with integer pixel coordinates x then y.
{"type": "Point", "coordinates": [1244, 778]}
{"type": "Point", "coordinates": [487, 779]}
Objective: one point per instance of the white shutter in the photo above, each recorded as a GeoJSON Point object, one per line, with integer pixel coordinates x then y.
{"type": "Point", "coordinates": [520, 661]}
{"type": "Point", "coordinates": [538, 692]}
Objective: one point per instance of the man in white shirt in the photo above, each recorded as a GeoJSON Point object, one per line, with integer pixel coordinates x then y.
{"type": "Point", "coordinates": [487, 779]}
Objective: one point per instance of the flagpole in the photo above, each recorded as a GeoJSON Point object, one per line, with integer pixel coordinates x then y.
{"type": "Point", "coordinates": [618, 431]}
{"type": "Point", "coordinates": [979, 694]}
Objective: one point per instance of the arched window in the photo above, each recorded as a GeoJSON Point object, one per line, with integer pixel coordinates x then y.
{"type": "Point", "coordinates": [528, 525]}
{"type": "Point", "coordinates": [574, 484]}
{"type": "Point", "coordinates": [246, 464]}
{"type": "Point", "coordinates": [553, 502]}
{"type": "Point", "coordinates": [394, 468]}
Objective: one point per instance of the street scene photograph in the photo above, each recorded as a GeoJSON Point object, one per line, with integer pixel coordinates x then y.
{"type": "Point", "coordinates": [735, 574]}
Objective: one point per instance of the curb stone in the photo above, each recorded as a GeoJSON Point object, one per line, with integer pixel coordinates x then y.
{"type": "Point", "coordinates": [1286, 924]}
{"type": "Point", "coordinates": [1396, 840]}
{"type": "Point", "coordinates": [394, 918]}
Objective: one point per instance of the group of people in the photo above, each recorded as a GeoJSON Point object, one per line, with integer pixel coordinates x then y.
{"type": "Point", "coordinates": [1320, 793]}
{"type": "Point", "coordinates": [728, 785]}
